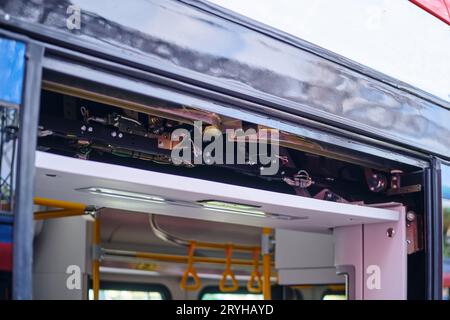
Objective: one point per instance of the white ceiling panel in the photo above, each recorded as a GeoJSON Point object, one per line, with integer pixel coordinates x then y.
{"type": "Point", "coordinates": [59, 177]}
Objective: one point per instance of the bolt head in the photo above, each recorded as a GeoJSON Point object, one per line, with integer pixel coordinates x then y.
{"type": "Point", "coordinates": [410, 216]}
{"type": "Point", "coordinates": [390, 232]}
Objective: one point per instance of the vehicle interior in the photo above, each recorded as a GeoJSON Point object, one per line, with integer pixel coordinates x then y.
{"type": "Point", "coordinates": [149, 228]}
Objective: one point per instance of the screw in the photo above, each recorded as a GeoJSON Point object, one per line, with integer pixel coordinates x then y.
{"type": "Point", "coordinates": [410, 216]}
{"type": "Point", "coordinates": [120, 135]}
{"type": "Point", "coordinates": [90, 129]}
{"type": "Point", "coordinates": [113, 134]}
{"type": "Point", "coordinates": [390, 232]}
{"type": "Point", "coordinates": [83, 128]}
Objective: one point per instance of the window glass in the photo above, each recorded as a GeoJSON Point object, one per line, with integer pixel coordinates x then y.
{"type": "Point", "coordinates": [126, 295]}
{"type": "Point", "coordinates": [446, 225]}
{"type": "Point", "coordinates": [112, 290]}
{"type": "Point", "coordinates": [231, 296]}
{"type": "Point", "coordinates": [214, 293]}
{"type": "Point", "coordinates": [321, 292]}
{"type": "Point", "coordinates": [381, 32]}
{"type": "Point", "coordinates": [333, 296]}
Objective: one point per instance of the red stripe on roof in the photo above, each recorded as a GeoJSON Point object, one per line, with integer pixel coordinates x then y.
{"type": "Point", "coordinates": [438, 8]}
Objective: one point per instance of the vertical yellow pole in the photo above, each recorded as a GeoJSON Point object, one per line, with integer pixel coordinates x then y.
{"type": "Point", "coordinates": [266, 267]}
{"type": "Point", "coordinates": [95, 260]}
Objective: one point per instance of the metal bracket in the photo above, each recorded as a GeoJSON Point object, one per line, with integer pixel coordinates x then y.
{"type": "Point", "coordinates": [405, 189]}
{"type": "Point", "coordinates": [267, 243]}
{"type": "Point", "coordinates": [92, 211]}
{"type": "Point", "coordinates": [97, 252]}
{"type": "Point", "coordinates": [414, 235]}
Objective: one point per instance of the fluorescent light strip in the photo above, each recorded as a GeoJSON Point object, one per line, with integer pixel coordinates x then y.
{"type": "Point", "coordinates": [213, 205]}
{"type": "Point", "coordinates": [126, 271]}
{"type": "Point", "coordinates": [242, 209]}
{"type": "Point", "coordinates": [241, 212]}
{"type": "Point", "coordinates": [121, 194]}
{"type": "Point", "coordinates": [230, 207]}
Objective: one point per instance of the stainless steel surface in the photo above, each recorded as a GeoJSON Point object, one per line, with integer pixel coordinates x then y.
{"type": "Point", "coordinates": [163, 235]}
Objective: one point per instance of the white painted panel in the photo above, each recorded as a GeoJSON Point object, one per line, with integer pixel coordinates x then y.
{"type": "Point", "coordinates": [72, 174]}
{"type": "Point", "coordinates": [312, 276]}
{"type": "Point", "coordinates": [297, 249]}
{"type": "Point", "coordinates": [60, 244]}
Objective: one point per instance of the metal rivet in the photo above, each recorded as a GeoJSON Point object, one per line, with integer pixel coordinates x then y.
{"type": "Point", "coordinates": [410, 216]}
{"type": "Point", "coordinates": [390, 232]}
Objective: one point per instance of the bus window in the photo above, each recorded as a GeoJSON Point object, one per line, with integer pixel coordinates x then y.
{"type": "Point", "coordinates": [319, 292]}
{"type": "Point", "coordinates": [213, 293]}
{"type": "Point", "coordinates": [446, 225]}
{"type": "Point", "coordinates": [334, 295]}
{"type": "Point", "coordinates": [131, 291]}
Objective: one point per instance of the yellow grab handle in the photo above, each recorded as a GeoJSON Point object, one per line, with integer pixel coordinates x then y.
{"type": "Point", "coordinates": [228, 273]}
{"type": "Point", "coordinates": [234, 284]}
{"type": "Point", "coordinates": [192, 287]}
{"type": "Point", "coordinates": [255, 276]}
{"type": "Point", "coordinates": [190, 272]}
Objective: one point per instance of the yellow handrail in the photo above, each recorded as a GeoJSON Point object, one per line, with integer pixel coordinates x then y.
{"type": "Point", "coordinates": [175, 258]}
{"type": "Point", "coordinates": [266, 269]}
{"type": "Point", "coordinates": [58, 203]}
{"type": "Point", "coordinates": [220, 246]}
{"type": "Point", "coordinates": [68, 209]}
{"type": "Point", "coordinates": [96, 260]}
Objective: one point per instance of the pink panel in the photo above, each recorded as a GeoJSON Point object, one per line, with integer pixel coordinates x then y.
{"type": "Point", "coordinates": [385, 259]}
{"type": "Point", "coordinates": [348, 251]}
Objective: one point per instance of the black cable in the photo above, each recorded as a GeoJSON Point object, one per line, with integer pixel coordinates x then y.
{"type": "Point", "coordinates": [11, 177]}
